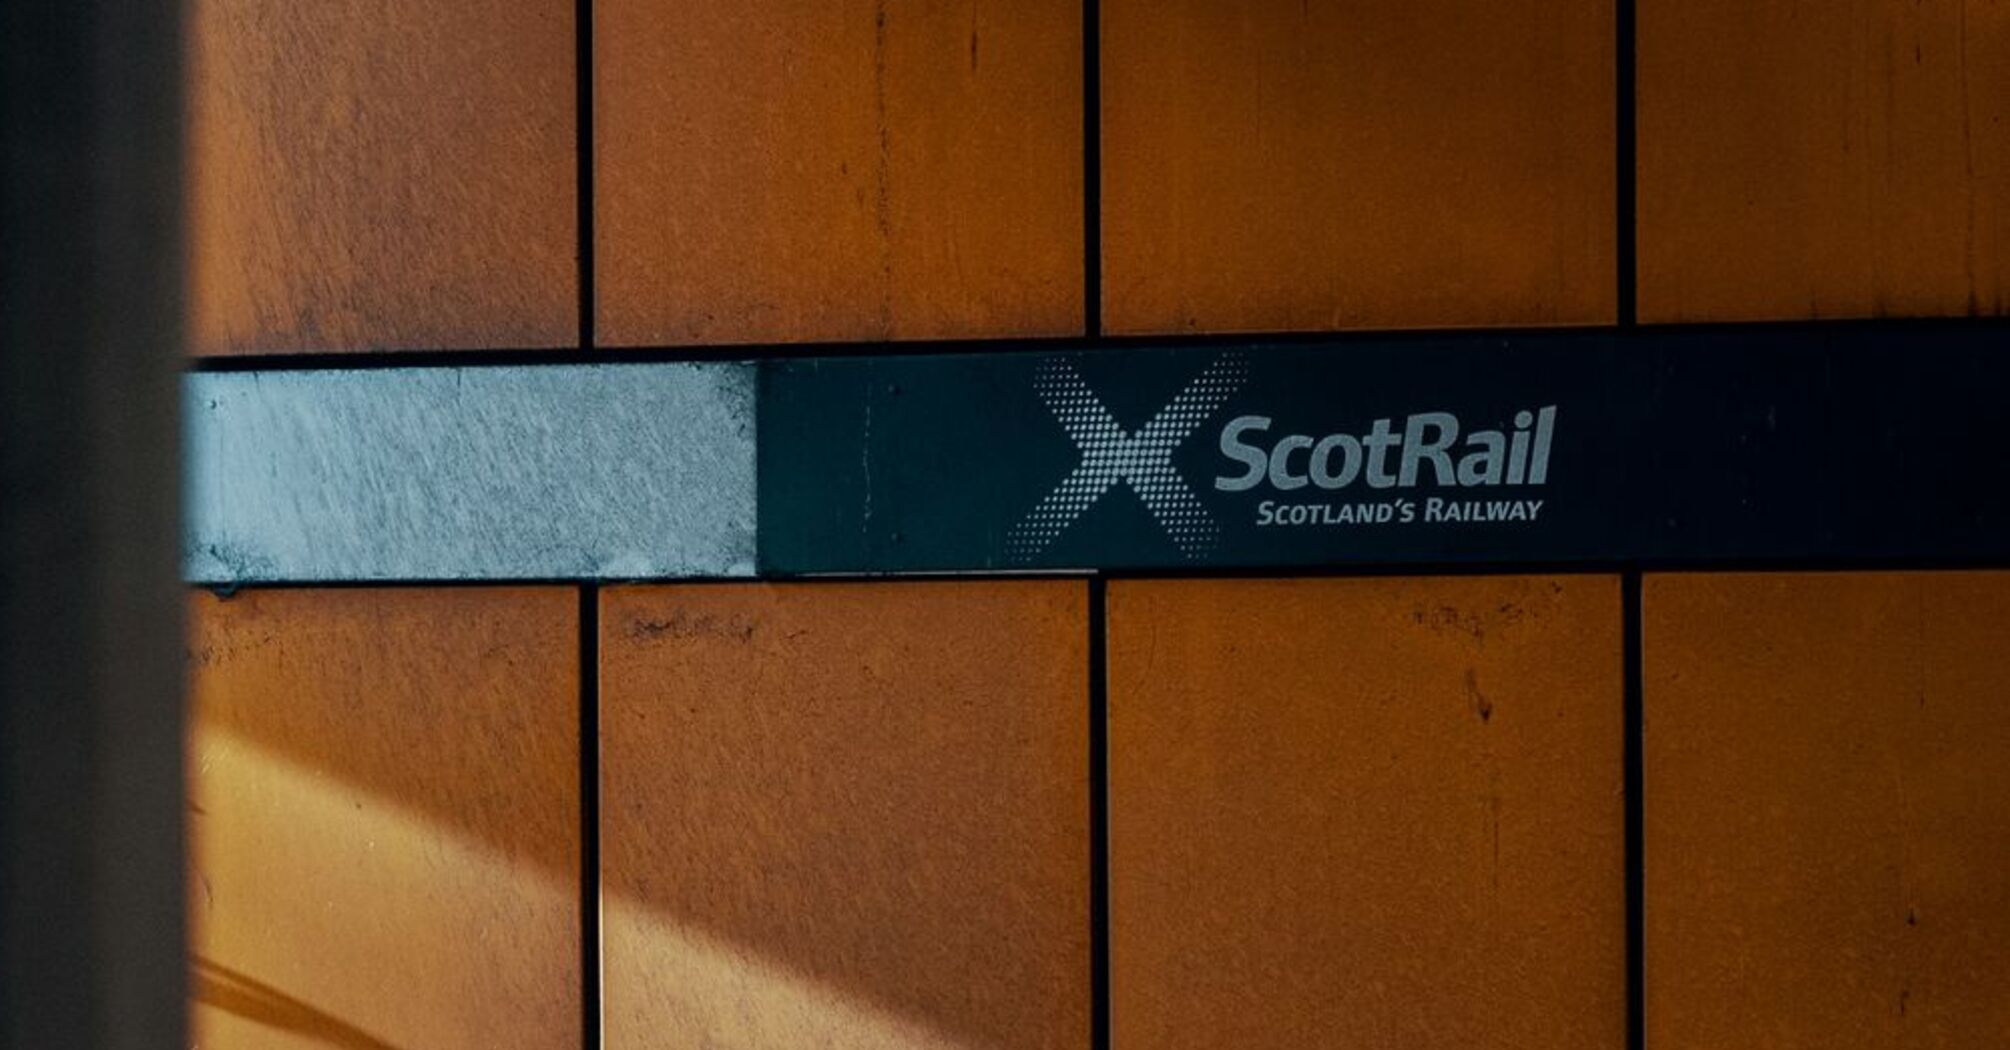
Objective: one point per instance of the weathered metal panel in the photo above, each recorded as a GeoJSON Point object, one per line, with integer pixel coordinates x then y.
{"type": "Point", "coordinates": [1850, 164]}
{"type": "Point", "coordinates": [1827, 830]}
{"type": "Point", "coordinates": [364, 175]}
{"type": "Point", "coordinates": [846, 815]}
{"type": "Point", "coordinates": [560, 471]}
{"type": "Point", "coordinates": [1281, 165]}
{"type": "Point", "coordinates": [383, 817]}
{"type": "Point", "coordinates": [1336, 804]}
{"type": "Point", "coordinates": [846, 170]}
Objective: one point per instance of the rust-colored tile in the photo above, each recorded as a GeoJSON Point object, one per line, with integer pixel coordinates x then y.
{"type": "Point", "coordinates": [1367, 813]}
{"type": "Point", "coordinates": [1805, 161]}
{"type": "Point", "coordinates": [791, 170]}
{"type": "Point", "coordinates": [845, 815]}
{"type": "Point", "coordinates": [1279, 164]}
{"type": "Point", "coordinates": [368, 175]}
{"type": "Point", "coordinates": [1828, 810]}
{"type": "Point", "coordinates": [384, 819]}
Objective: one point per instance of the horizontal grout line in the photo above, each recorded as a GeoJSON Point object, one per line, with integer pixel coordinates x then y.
{"type": "Point", "coordinates": [227, 589]}
{"type": "Point", "coordinates": [1588, 567]}
{"type": "Point", "coordinates": [1422, 569]}
{"type": "Point", "coordinates": [482, 358]}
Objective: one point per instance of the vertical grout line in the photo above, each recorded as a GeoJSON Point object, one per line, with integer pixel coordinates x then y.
{"type": "Point", "coordinates": [1627, 273]}
{"type": "Point", "coordinates": [1092, 170]}
{"type": "Point", "coordinates": [1099, 817]}
{"type": "Point", "coordinates": [582, 31]}
{"type": "Point", "coordinates": [1626, 164]}
{"type": "Point", "coordinates": [1634, 722]}
{"type": "Point", "coordinates": [591, 1006]}
{"type": "Point", "coordinates": [589, 815]}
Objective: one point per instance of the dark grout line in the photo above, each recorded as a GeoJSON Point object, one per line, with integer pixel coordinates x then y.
{"type": "Point", "coordinates": [1099, 817]}
{"type": "Point", "coordinates": [583, 129]}
{"type": "Point", "coordinates": [1322, 571]}
{"type": "Point", "coordinates": [389, 358]}
{"type": "Point", "coordinates": [1626, 169]}
{"type": "Point", "coordinates": [1634, 751]}
{"type": "Point", "coordinates": [589, 816]}
{"type": "Point", "coordinates": [1626, 173]}
{"type": "Point", "coordinates": [1092, 170]}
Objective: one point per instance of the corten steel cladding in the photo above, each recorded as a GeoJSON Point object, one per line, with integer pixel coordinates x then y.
{"type": "Point", "coordinates": [843, 814]}
{"type": "Point", "coordinates": [1367, 813]}
{"type": "Point", "coordinates": [804, 170]}
{"type": "Point", "coordinates": [384, 818]}
{"type": "Point", "coordinates": [1828, 835]}
{"type": "Point", "coordinates": [381, 176]}
{"type": "Point", "coordinates": [1278, 165]}
{"type": "Point", "coordinates": [1805, 162]}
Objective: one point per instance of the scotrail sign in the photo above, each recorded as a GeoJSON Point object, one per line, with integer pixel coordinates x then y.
{"type": "Point", "coordinates": [1385, 458]}
{"type": "Point", "coordinates": [1753, 444]}
{"type": "Point", "coordinates": [1833, 444]}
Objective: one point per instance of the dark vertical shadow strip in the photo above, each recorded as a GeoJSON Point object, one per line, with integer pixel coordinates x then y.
{"type": "Point", "coordinates": [582, 31]}
{"type": "Point", "coordinates": [1099, 817]}
{"type": "Point", "coordinates": [589, 815]}
{"type": "Point", "coordinates": [1092, 170]}
{"type": "Point", "coordinates": [1636, 823]}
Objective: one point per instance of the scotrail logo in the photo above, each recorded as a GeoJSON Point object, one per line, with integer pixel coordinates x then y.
{"type": "Point", "coordinates": [1302, 475]}
{"type": "Point", "coordinates": [1140, 459]}
{"type": "Point", "coordinates": [1388, 458]}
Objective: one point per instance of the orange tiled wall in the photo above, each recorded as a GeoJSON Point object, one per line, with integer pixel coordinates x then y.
{"type": "Point", "coordinates": [1378, 812]}
{"type": "Point", "coordinates": [368, 178]}
{"type": "Point", "coordinates": [384, 818]}
{"type": "Point", "coordinates": [1329, 799]}
{"type": "Point", "coordinates": [1287, 165]}
{"type": "Point", "coordinates": [846, 815]}
{"type": "Point", "coordinates": [822, 170]}
{"type": "Point", "coordinates": [1827, 831]}
{"type": "Point", "coordinates": [1806, 161]}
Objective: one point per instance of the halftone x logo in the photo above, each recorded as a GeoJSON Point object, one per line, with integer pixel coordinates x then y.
{"type": "Point", "coordinates": [1142, 458]}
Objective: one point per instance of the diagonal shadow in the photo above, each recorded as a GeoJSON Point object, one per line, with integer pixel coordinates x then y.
{"type": "Point", "coordinates": [887, 871]}
{"type": "Point", "coordinates": [256, 1001]}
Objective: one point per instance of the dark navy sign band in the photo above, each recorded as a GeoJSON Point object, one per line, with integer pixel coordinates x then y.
{"type": "Point", "coordinates": [1832, 445]}
{"type": "Point", "coordinates": [1703, 446]}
